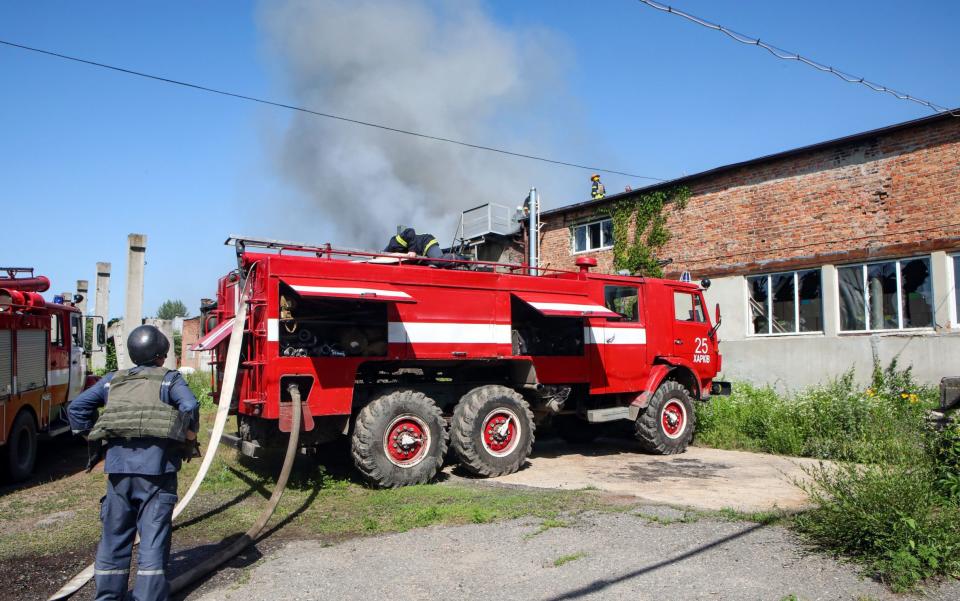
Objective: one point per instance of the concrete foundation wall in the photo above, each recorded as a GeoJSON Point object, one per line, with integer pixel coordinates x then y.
{"type": "Point", "coordinates": [795, 362]}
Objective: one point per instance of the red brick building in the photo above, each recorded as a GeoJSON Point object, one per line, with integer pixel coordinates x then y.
{"type": "Point", "coordinates": [822, 258]}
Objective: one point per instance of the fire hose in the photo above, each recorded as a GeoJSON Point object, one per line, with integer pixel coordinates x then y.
{"type": "Point", "coordinates": [232, 364]}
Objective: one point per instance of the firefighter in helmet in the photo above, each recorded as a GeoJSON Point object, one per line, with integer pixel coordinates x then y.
{"type": "Point", "coordinates": [597, 191]}
{"type": "Point", "coordinates": [147, 427]}
{"type": "Point", "coordinates": [415, 245]}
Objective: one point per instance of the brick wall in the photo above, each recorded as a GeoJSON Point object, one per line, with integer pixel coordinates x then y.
{"type": "Point", "coordinates": [895, 193]}
{"type": "Point", "coordinates": [190, 336]}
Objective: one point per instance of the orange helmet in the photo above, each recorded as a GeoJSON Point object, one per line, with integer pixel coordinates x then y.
{"type": "Point", "coordinates": [594, 176]}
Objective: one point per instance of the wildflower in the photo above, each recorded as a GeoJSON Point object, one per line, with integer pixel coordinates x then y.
{"type": "Point", "coordinates": [870, 392]}
{"type": "Point", "coordinates": [914, 398]}
{"type": "Point", "coordinates": [904, 395]}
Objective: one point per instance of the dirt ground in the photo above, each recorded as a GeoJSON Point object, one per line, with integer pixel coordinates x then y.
{"type": "Point", "coordinates": [630, 554]}
{"type": "Point", "coordinates": [702, 478]}
{"type": "Point", "coordinates": [593, 556]}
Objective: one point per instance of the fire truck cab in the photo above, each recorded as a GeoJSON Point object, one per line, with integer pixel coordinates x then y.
{"type": "Point", "coordinates": [42, 367]}
{"type": "Point", "coordinates": [407, 357]}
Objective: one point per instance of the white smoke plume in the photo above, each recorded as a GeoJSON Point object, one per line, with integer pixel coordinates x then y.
{"type": "Point", "coordinates": [442, 69]}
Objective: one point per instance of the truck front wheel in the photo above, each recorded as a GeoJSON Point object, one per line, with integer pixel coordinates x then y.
{"type": "Point", "coordinates": [21, 451]}
{"type": "Point", "coordinates": [492, 431]}
{"type": "Point", "coordinates": [399, 439]}
{"type": "Point", "coordinates": [666, 425]}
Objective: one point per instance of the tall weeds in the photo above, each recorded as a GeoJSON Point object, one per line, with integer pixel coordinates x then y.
{"type": "Point", "coordinates": [890, 496]}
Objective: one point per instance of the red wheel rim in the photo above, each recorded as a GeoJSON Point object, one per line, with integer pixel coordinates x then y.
{"type": "Point", "coordinates": [406, 440]}
{"type": "Point", "coordinates": [673, 419]}
{"type": "Point", "coordinates": [501, 432]}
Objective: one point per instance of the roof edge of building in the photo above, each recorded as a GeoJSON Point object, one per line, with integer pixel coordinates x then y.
{"type": "Point", "coordinates": [922, 121]}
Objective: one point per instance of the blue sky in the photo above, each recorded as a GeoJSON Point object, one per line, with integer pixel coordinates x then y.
{"type": "Point", "coordinates": [89, 156]}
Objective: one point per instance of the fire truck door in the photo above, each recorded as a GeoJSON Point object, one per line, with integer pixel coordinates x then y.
{"type": "Point", "coordinates": [691, 340]}
{"type": "Point", "coordinates": [76, 356]}
{"type": "Point", "coordinates": [622, 341]}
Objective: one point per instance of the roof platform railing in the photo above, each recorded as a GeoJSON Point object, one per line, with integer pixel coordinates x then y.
{"type": "Point", "coordinates": [328, 251]}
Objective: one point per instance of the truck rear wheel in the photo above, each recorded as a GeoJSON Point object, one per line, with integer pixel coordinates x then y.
{"type": "Point", "coordinates": [666, 425]}
{"type": "Point", "coordinates": [399, 439]}
{"type": "Point", "coordinates": [21, 448]}
{"type": "Point", "coordinates": [492, 431]}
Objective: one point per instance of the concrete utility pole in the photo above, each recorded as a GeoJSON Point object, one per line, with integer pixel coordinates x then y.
{"type": "Point", "coordinates": [83, 288]}
{"type": "Point", "coordinates": [102, 308]}
{"type": "Point", "coordinates": [133, 316]}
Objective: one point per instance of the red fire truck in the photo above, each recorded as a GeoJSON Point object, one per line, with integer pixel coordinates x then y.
{"type": "Point", "coordinates": [42, 367]}
{"type": "Point", "coordinates": [406, 357]}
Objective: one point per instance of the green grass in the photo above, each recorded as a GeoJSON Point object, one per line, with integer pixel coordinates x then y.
{"type": "Point", "coordinates": [690, 516]}
{"type": "Point", "coordinates": [836, 421]}
{"type": "Point", "coordinates": [565, 559]}
{"type": "Point", "coordinates": [315, 505]}
{"type": "Point", "coordinates": [889, 499]}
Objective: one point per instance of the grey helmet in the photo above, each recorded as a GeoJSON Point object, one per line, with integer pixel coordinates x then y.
{"type": "Point", "coordinates": [146, 344]}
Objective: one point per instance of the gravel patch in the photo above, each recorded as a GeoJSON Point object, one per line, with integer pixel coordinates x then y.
{"type": "Point", "coordinates": [597, 556]}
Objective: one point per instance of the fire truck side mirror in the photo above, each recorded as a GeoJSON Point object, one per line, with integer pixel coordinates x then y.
{"type": "Point", "coordinates": [716, 312]}
{"type": "Point", "coordinates": [101, 334]}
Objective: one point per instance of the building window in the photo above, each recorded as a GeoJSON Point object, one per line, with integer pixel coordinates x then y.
{"type": "Point", "coordinates": [786, 303]}
{"type": "Point", "coordinates": [956, 290]}
{"type": "Point", "coordinates": [891, 295]}
{"type": "Point", "coordinates": [595, 235]}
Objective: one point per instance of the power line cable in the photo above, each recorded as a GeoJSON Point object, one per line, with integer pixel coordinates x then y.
{"type": "Point", "coordinates": [793, 56]}
{"type": "Point", "coordinates": [326, 115]}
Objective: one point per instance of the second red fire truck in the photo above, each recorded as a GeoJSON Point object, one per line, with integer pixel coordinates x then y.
{"type": "Point", "coordinates": [406, 357]}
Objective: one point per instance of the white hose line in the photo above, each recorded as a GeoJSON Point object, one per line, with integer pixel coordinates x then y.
{"type": "Point", "coordinates": [249, 537]}
{"type": "Point", "coordinates": [223, 412]}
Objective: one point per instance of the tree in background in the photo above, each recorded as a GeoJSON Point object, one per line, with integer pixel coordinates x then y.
{"type": "Point", "coordinates": [171, 309]}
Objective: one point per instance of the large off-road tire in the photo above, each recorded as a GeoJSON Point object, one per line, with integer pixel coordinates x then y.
{"type": "Point", "coordinates": [399, 439]}
{"type": "Point", "coordinates": [666, 425]}
{"type": "Point", "coordinates": [492, 431]}
{"type": "Point", "coordinates": [575, 430]}
{"type": "Point", "coordinates": [20, 452]}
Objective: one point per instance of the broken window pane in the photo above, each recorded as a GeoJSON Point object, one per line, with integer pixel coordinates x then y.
{"type": "Point", "coordinates": [759, 320]}
{"type": "Point", "coordinates": [882, 296]}
{"type": "Point", "coordinates": [784, 307]}
{"type": "Point", "coordinates": [852, 308]}
{"type": "Point", "coordinates": [607, 227]}
{"type": "Point", "coordinates": [917, 293]}
{"type": "Point", "coordinates": [811, 301]}
{"type": "Point", "coordinates": [580, 238]}
{"type": "Point", "coordinates": [594, 231]}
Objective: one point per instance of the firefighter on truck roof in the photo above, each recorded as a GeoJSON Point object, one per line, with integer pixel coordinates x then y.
{"type": "Point", "coordinates": [420, 245]}
{"type": "Point", "coordinates": [148, 426]}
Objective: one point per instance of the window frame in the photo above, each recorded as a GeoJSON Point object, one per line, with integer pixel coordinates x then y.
{"type": "Point", "coordinates": [621, 318]}
{"type": "Point", "coordinates": [56, 329]}
{"type": "Point", "coordinates": [864, 282]}
{"type": "Point", "coordinates": [586, 225]}
{"type": "Point", "coordinates": [695, 302]}
{"type": "Point", "coordinates": [796, 305]}
{"type": "Point", "coordinates": [953, 260]}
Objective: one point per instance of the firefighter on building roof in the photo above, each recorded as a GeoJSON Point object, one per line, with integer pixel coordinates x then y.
{"type": "Point", "coordinates": [597, 191]}
{"type": "Point", "coordinates": [148, 426]}
{"type": "Point", "coordinates": [415, 245]}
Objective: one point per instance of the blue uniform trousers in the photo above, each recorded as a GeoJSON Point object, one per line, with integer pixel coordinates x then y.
{"type": "Point", "coordinates": [135, 503]}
